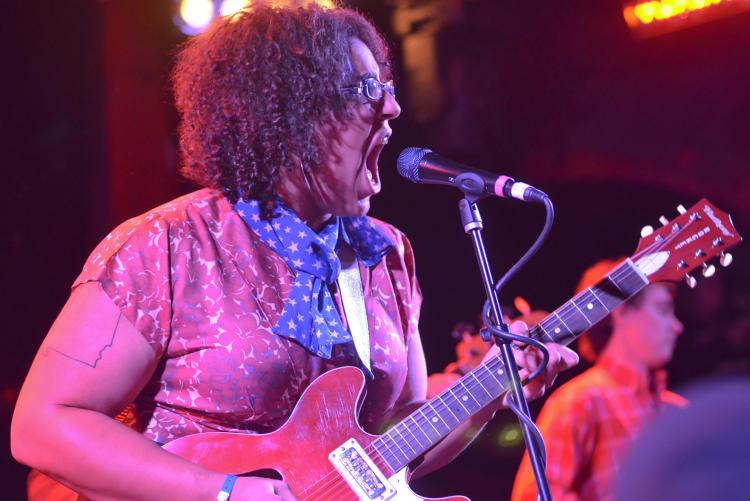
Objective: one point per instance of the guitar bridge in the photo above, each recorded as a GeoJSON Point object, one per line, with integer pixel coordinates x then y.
{"type": "Point", "coordinates": [359, 471]}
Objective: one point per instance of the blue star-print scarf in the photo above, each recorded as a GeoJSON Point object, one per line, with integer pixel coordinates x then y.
{"type": "Point", "coordinates": [310, 316]}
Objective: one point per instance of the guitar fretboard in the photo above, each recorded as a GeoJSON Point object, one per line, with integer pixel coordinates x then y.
{"type": "Point", "coordinates": [426, 426]}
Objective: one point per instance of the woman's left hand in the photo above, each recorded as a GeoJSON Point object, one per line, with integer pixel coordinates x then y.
{"type": "Point", "coordinates": [528, 359]}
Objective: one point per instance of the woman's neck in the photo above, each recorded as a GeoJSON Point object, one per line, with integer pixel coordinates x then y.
{"type": "Point", "coordinates": [298, 197]}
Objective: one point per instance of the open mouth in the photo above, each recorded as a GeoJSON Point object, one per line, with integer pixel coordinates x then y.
{"type": "Point", "coordinates": [371, 166]}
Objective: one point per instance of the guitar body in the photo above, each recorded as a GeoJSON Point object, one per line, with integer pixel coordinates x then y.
{"type": "Point", "coordinates": [322, 421]}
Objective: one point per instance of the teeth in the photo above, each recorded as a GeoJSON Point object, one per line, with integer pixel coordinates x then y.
{"type": "Point", "coordinates": [369, 175]}
{"type": "Point", "coordinates": [385, 139]}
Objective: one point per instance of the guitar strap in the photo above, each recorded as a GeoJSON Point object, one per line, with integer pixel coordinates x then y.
{"type": "Point", "coordinates": [353, 301]}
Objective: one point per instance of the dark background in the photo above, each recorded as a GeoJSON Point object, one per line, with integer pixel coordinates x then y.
{"type": "Point", "coordinates": [616, 130]}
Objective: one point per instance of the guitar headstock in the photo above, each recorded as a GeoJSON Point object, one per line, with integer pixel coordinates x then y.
{"type": "Point", "coordinates": [698, 234]}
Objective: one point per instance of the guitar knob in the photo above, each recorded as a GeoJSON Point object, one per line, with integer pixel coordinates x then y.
{"type": "Point", "coordinates": [726, 259]}
{"type": "Point", "coordinates": [691, 281]}
{"type": "Point", "coordinates": [699, 253]}
{"type": "Point", "coordinates": [663, 220]}
{"type": "Point", "coordinates": [681, 209]}
{"type": "Point", "coordinates": [708, 270]}
{"type": "Point", "coordinates": [646, 231]}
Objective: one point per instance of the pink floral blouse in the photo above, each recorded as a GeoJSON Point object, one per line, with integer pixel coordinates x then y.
{"type": "Point", "coordinates": [204, 291]}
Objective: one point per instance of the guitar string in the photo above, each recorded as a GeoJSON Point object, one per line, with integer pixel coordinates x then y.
{"type": "Point", "coordinates": [324, 484]}
{"type": "Point", "coordinates": [338, 482]}
{"type": "Point", "coordinates": [335, 483]}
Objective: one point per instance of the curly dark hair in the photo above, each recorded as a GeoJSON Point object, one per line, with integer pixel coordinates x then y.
{"type": "Point", "coordinates": [254, 89]}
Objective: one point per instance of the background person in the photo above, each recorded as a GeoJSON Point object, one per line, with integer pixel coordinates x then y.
{"type": "Point", "coordinates": [589, 423]}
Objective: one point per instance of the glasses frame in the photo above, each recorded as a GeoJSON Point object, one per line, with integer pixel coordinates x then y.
{"type": "Point", "coordinates": [364, 86]}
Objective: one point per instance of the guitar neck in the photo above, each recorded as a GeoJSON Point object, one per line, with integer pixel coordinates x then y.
{"type": "Point", "coordinates": [426, 426]}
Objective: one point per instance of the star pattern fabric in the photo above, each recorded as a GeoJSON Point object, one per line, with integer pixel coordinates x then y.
{"type": "Point", "coordinates": [310, 316]}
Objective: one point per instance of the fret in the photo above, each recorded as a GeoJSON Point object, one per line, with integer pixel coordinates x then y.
{"type": "Point", "coordinates": [455, 406]}
{"type": "Point", "coordinates": [627, 279]}
{"type": "Point", "coordinates": [461, 399]}
{"type": "Point", "coordinates": [575, 318]}
{"type": "Point", "coordinates": [590, 306]}
{"type": "Point", "coordinates": [437, 418]}
{"type": "Point", "coordinates": [441, 398]}
{"type": "Point", "coordinates": [418, 427]}
{"type": "Point", "coordinates": [499, 381]}
{"type": "Point", "coordinates": [466, 392]}
{"type": "Point", "coordinates": [397, 451]}
{"type": "Point", "coordinates": [490, 383]}
{"type": "Point", "coordinates": [437, 436]}
{"type": "Point", "coordinates": [480, 383]}
{"type": "Point", "coordinates": [378, 444]}
{"type": "Point", "coordinates": [537, 331]}
{"type": "Point", "coordinates": [555, 325]}
{"type": "Point", "coordinates": [570, 332]}
{"type": "Point", "coordinates": [390, 454]}
{"type": "Point", "coordinates": [405, 441]}
{"type": "Point", "coordinates": [581, 312]}
{"type": "Point", "coordinates": [609, 294]}
{"type": "Point", "coordinates": [595, 296]}
{"type": "Point", "coordinates": [496, 367]}
{"type": "Point", "coordinates": [475, 389]}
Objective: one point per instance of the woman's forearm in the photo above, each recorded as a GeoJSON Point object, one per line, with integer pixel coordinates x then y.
{"type": "Point", "coordinates": [103, 459]}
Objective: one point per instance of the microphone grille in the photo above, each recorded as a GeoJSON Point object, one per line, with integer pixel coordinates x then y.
{"type": "Point", "coordinates": [408, 163]}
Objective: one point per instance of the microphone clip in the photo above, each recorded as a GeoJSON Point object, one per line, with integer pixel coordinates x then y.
{"type": "Point", "coordinates": [472, 185]}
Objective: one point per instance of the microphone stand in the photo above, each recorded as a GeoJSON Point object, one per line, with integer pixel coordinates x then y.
{"type": "Point", "coordinates": [472, 222]}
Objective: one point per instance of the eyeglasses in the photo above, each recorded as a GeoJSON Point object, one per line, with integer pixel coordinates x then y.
{"type": "Point", "coordinates": [372, 89]}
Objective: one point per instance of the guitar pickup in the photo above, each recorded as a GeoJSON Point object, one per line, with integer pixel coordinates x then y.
{"type": "Point", "coordinates": [360, 472]}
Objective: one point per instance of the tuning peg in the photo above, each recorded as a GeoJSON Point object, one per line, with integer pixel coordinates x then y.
{"type": "Point", "coordinates": [663, 220]}
{"type": "Point", "coordinates": [681, 209]}
{"type": "Point", "coordinates": [708, 270]}
{"type": "Point", "coordinates": [691, 281]}
{"type": "Point", "coordinates": [646, 231]}
{"type": "Point", "coordinates": [726, 259]}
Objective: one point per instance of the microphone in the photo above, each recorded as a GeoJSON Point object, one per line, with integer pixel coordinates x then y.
{"type": "Point", "coordinates": [422, 166]}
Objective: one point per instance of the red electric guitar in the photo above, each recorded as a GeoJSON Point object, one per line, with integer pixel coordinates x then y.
{"type": "Point", "coordinates": [323, 453]}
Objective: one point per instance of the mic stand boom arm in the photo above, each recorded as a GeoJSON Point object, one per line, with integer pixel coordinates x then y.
{"type": "Point", "coordinates": [472, 222]}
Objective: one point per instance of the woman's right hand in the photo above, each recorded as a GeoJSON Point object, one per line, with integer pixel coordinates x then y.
{"type": "Point", "coordinates": [261, 489]}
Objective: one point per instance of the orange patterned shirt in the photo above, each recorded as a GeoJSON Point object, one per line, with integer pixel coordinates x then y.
{"type": "Point", "coordinates": [588, 424]}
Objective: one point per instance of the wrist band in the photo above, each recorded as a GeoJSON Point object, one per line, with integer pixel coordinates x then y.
{"type": "Point", "coordinates": [226, 488]}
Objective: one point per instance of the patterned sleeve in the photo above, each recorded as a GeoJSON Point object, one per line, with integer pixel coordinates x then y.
{"type": "Point", "coordinates": [407, 285]}
{"type": "Point", "coordinates": [132, 266]}
{"type": "Point", "coordinates": [563, 424]}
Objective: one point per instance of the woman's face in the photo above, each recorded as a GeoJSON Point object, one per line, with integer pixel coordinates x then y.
{"type": "Point", "coordinates": [349, 176]}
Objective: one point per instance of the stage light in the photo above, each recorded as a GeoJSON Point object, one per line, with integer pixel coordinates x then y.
{"type": "Point", "coordinates": [229, 7]}
{"type": "Point", "coordinates": [196, 14]}
{"type": "Point", "coordinates": [509, 436]}
{"type": "Point", "coordinates": [662, 16]}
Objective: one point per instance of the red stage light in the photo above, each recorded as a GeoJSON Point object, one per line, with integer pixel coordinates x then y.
{"type": "Point", "coordinates": [662, 16]}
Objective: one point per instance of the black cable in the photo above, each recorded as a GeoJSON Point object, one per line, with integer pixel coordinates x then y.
{"type": "Point", "coordinates": [536, 434]}
{"type": "Point", "coordinates": [495, 327]}
{"type": "Point", "coordinates": [499, 332]}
